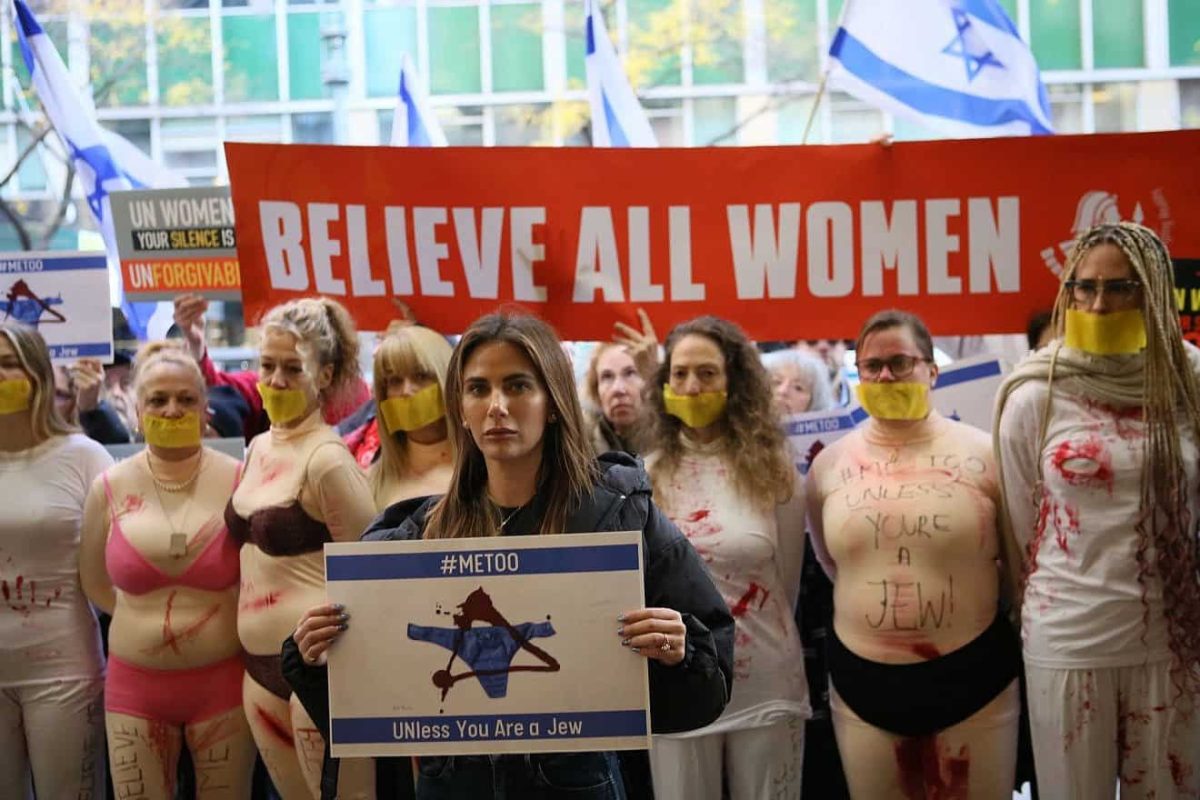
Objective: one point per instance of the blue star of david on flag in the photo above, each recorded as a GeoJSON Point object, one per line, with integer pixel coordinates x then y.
{"type": "Point", "coordinates": [966, 73]}
{"type": "Point", "coordinates": [967, 46]}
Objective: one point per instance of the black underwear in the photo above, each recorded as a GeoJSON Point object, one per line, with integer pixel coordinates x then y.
{"type": "Point", "coordinates": [928, 696]}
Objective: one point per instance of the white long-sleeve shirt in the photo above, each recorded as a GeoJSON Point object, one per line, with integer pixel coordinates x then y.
{"type": "Point", "coordinates": [47, 629]}
{"type": "Point", "coordinates": [755, 558]}
{"type": "Point", "coordinates": [1084, 604]}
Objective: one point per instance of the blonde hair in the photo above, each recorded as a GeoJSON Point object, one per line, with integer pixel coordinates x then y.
{"type": "Point", "coordinates": [34, 356]}
{"type": "Point", "coordinates": [1171, 405]}
{"type": "Point", "coordinates": [408, 350]}
{"type": "Point", "coordinates": [325, 331]}
{"type": "Point", "coordinates": [169, 351]}
{"type": "Point", "coordinates": [568, 470]}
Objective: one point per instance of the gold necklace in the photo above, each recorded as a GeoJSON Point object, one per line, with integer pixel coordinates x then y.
{"type": "Point", "coordinates": [179, 541]}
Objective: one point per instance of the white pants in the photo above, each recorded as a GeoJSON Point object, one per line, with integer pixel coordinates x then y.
{"type": "Point", "coordinates": [1093, 727]}
{"type": "Point", "coordinates": [757, 764]}
{"type": "Point", "coordinates": [53, 733]}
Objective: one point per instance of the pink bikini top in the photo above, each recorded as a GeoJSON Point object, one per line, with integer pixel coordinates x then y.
{"type": "Point", "coordinates": [216, 568]}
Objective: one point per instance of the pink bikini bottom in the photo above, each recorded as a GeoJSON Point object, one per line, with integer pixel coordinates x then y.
{"type": "Point", "coordinates": [175, 696]}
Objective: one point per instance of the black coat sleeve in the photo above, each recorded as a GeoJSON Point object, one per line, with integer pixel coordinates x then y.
{"type": "Point", "coordinates": [694, 692]}
{"type": "Point", "coordinates": [102, 424]}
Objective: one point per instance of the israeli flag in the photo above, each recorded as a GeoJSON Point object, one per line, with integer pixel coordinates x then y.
{"type": "Point", "coordinates": [414, 123]}
{"type": "Point", "coordinates": [958, 66]}
{"type": "Point", "coordinates": [618, 120]}
{"type": "Point", "coordinates": [104, 161]}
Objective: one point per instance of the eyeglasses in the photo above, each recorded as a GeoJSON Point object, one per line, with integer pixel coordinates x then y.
{"type": "Point", "coordinates": [900, 366]}
{"type": "Point", "coordinates": [1122, 290]}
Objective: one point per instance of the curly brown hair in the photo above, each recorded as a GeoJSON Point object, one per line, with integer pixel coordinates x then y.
{"type": "Point", "coordinates": [752, 443]}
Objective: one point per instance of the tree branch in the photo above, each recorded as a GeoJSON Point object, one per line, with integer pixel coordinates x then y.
{"type": "Point", "coordinates": [29, 148]}
{"type": "Point", "coordinates": [63, 204]}
{"type": "Point", "coordinates": [18, 225]}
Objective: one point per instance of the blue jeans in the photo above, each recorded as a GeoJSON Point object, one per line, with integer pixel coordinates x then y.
{"type": "Point", "coordinates": [544, 776]}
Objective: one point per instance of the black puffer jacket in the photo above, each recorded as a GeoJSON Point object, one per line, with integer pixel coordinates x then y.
{"type": "Point", "coordinates": [684, 697]}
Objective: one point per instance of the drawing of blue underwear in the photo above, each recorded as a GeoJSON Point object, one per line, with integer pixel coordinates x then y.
{"type": "Point", "coordinates": [488, 651]}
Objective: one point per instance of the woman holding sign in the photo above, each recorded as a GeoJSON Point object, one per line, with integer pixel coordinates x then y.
{"type": "Point", "coordinates": [51, 669]}
{"type": "Point", "coordinates": [726, 476]}
{"type": "Point", "coordinates": [524, 466]}
{"type": "Point", "coordinates": [300, 488]}
{"type": "Point", "coordinates": [1097, 438]}
{"type": "Point", "coordinates": [903, 513]}
{"type": "Point", "coordinates": [156, 556]}
{"type": "Point", "coordinates": [416, 455]}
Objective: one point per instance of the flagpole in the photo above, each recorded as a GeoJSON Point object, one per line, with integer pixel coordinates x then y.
{"type": "Point", "coordinates": [812, 114]}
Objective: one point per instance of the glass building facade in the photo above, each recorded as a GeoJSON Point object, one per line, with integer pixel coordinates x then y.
{"type": "Point", "coordinates": [178, 77]}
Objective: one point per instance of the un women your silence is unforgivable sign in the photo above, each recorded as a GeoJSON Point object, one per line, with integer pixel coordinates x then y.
{"type": "Point", "coordinates": [791, 242]}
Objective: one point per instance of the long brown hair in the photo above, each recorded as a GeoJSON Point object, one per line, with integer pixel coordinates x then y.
{"type": "Point", "coordinates": [34, 357]}
{"type": "Point", "coordinates": [405, 350]}
{"type": "Point", "coordinates": [1172, 404]}
{"type": "Point", "coordinates": [752, 443]}
{"type": "Point", "coordinates": [567, 472]}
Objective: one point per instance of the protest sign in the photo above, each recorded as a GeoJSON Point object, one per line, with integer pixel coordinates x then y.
{"type": "Point", "coordinates": [1187, 297]}
{"type": "Point", "coordinates": [965, 391]}
{"type": "Point", "coordinates": [790, 242]}
{"type": "Point", "coordinates": [65, 296]}
{"type": "Point", "coordinates": [176, 241]}
{"type": "Point", "coordinates": [486, 645]}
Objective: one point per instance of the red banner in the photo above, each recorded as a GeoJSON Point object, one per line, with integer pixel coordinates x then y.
{"type": "Point", "coordinates": [790, 242]}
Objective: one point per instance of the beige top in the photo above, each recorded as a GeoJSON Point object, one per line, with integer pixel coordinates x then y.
{"type": "Point", "coordinates": [311, 464]}
{"type": "Point", "coordinates": [175, 626]}
{"type": "Point", "coordinates": [906, 525]}
{"type": "Point", "coordinates": [429, 469]}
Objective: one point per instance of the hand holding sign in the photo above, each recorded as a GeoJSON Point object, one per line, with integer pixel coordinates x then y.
{"type": "Point", "coordinates": [189, 317]}
{"type": "Point", "coordinates": [317, 631]}
{"type": "Point", "coordinates": [657, 633]}
{"type": "Point", "coordinates": [88, 376]}
{"type": "Point", "coordinates": [642, 345]}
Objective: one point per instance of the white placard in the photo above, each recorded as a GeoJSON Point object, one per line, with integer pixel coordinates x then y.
{"type": "Point", "coordinates": [486, 645]}
{"type": "Point", "coordinates": [65, 296]}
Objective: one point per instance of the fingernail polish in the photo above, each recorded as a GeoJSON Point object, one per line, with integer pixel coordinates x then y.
{"type": "Point", "coordinates": [626, 642]}
{"type": "Point", "coordinates": [343, 616]}
{"type": "Point", "coordinates": [620, 617]}
{"type": "Point", "coordinates": [338, 607]}
{"type": "Point", "coordinates": [344, 626]}
{"type": "Point", "coordinates": [621, 631]}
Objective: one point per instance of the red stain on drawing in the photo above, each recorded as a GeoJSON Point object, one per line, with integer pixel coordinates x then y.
{"type": "Point", "coordinates": [1084, 463]}
{"type": "Point", "coordinates": [930, 771]}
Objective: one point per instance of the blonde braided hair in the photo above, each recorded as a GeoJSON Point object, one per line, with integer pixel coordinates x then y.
{"type": "Point", "coordinates": [1171, 405]}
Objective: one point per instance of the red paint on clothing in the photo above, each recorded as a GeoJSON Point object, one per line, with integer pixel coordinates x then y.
{"type": "Point", "coordinates": [699, 514]}
{"type": "Point", "coordinates": [259, 603]}
{"type": "Point", "coordinates": [132, 504]}
{"type": "Point", "coordinates": [1068, 526]}
{"type": "Point", "coordinates": [740, 608]}
{"type": "Point", "coordinates": [1180, 771]}
{"type": "Point", "coordinates": [927, 772]}
{"type": "Point", "coordinates": [4, 588]}
{"type": "Point", "coordinates": [1086, 463]}
{"type": "Point", "coordinates": [274, 727]}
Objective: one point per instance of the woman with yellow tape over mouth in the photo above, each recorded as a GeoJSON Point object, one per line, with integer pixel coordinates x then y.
{"type": "Point", "coordinates": [1097, 439]}
{"type": "Point", "coordinates": [903, 514]}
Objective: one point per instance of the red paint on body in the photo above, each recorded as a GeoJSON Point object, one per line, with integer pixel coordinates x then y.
{"type": "Point", "coordinates": [698, 515]}
{"type": "Point", "coordinates": [274, 727]}
{"type": "Point", "coordinates": [259, 603]}
{"type": "Point", "coordinates": [925, 650]}
{"type": "Point", "coordinates": [928, 773]}
{"type": "Point", "coordinates": [132, 504]}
